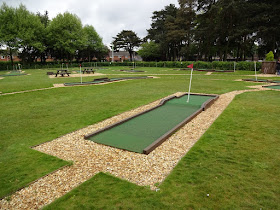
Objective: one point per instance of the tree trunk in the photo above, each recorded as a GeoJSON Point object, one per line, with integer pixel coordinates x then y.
{"type": "Point", "coordinates": [11, 56]}
{"type": "Point", "coordinates": [130, 55]}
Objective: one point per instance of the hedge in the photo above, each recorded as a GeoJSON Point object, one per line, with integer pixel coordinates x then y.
{"type": "Point", "coordinates": [218, 65]}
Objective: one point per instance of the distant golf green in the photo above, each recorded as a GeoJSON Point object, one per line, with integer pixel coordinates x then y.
{"type": "Point", "coordinates": [13, 73]}
{"type": "Point", "coordinates": [104, 80]}
{"type": "Point", "coordinates": [138, 133]}
{"type": "Point", "coordinates": [256, 80]}
{"type": "Point", "coordinates": [273, 86]}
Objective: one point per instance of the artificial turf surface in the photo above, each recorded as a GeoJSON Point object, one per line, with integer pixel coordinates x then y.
{"type": "Point", "coordinates": [139, 132]}
{"type": "Point", "coordinates": [273, 87]}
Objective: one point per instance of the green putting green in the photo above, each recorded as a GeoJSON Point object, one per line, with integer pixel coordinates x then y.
{"type": "Point", "coordinates": [139, 132]}
{"type": "Point", "coordinates": [104, 80]}
{"type": "Point", "coordinates": [256, 80]}
{"type": "Point", "coordinates": [273, 86]}
{"type": "Point", "coordinates": [13, 73]}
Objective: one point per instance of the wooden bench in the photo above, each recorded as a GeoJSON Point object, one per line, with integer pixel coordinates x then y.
{"type": "Point", "coordinates": [62, 73]}
{"type": "Point", "coordinates": [88, 71]}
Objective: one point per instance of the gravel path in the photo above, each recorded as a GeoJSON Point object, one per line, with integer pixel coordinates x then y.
{"type": "Point", "coordinates": [90, 158]}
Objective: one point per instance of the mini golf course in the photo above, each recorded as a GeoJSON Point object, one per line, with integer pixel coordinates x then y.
{"type": "Point", "coordinates": [13, 73]}
{"type": "Point", "coordinates": [144, 132]}
{"type": "Point", "coordinates": [104, 80]}
{"type": "Point", "coordinates": [208, 70]}
{"type": "Point", "coordinates": [275, 81]}
{"type": "Point", "coordinates": [255, 80]}
{"type": "Point", "coordinates": [132, 70]}
{"type": "Point", "coordinates": [261, 80]}
{"type": "Point", "coordinates": [214, 70]}
{"type": "Point", "coordinates": [277, 87]}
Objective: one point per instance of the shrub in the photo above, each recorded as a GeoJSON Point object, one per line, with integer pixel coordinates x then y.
{"type": "Point", "coordinates": [269, 56]}
{"type": "Point", "coordinates": [219, 65]}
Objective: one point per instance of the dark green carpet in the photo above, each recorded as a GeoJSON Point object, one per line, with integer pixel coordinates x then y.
{"type": "Point", "coordinates": [138, 133]}
{"type": "Point", "coordinates": [273, 86]}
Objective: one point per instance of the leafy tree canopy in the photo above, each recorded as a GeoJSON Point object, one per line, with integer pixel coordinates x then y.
{"type": "Point", "coordinates": [150, 51]}
{"type": "Point", "coordinates": [126, 40]}
{"type": "Point", "coordinates": [65, 35]}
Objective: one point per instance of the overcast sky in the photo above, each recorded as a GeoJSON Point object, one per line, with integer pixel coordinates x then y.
{"type": "Point", "coordinates": [108, 17]}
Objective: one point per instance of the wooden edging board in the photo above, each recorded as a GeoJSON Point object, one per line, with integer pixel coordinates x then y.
{"type": "Point", "coordinates": [160, 140]}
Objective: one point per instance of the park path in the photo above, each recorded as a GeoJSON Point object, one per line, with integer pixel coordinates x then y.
{"type": "Point", "coordinates": [90, 158]}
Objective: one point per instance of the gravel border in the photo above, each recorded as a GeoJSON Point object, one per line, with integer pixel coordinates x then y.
{"type": "Point", "coordinates": [90, 158]}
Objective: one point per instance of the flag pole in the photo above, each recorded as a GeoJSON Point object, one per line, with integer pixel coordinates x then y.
{"type": "Point", "coordinates": [255, 64]}
{"type": "Point", "coordinates": [81, 73]}
{"type": "Point", "coordinates": [190, 66]}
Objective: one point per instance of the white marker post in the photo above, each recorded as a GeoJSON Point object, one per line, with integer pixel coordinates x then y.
{"type": "Point", "coordinates": [81, 73]}
{"type": "Point", "coordinates": [255, 64]}
{"type": "Point", "coordinates": [234, 66]}
{"type": "Point", "coordinates": [190, 66]}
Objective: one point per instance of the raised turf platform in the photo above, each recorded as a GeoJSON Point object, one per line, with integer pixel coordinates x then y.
{"type": "Point", "coordinates": [104, 80]}
{"type": "Point", "coordinates": [261, 80]}
{"type": "Point", "coordinates": [144, 132]}
{"type": "Point", "coordinates": [277, 87]}
{"type": "Point", "coordinates": [13, 73]}
{"type": "Point", "coordinates": [207, 70]}
{"type": "Point", "coordinates": [255, 80]}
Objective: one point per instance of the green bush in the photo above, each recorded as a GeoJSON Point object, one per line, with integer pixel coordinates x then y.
{"type": "Point", "coordinates": [269, 56]}
{"type": "Point", "coordinates": [218, 65]}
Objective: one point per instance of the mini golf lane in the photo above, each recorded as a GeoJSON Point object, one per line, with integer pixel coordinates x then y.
{"type": "Point", "coordinates": [143, 132]}
{"type": "Point", "coordinates": [104, 80]}
{"type": "Point", "coordinates": [273, 87]}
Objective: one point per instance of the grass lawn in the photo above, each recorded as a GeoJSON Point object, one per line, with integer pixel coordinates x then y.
{"type": "Point", "coordinates": [236, 162]}
{"type": "Point", "coordinates": [32, 118]}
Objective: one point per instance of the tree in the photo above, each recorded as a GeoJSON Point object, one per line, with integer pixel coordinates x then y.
{"type": "Point", "coordinates": [185, 21]}
{"type": "Point", "coordinates": [93, 44]}
{"type": "Point", "coordinates": [31, 32]}
{"type": "Point", "coordinates": [162, 23]}
{"type": "Point", "coordinates": [9, 36]}
{"type": "Point", "coordinates": [20, 30]}
{"type": "Point", "coordinates": [264, 21]}
{"type": "Point", "coordinates": [127, 40]}
{"type": "Point", "coordinates": [44, 18]}
{"type": "Point", "coordinates": [150, 51]}
{"type": "Point", "coordinates": [65, 36]}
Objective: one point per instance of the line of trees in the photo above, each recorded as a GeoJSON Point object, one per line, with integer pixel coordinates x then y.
{"type": "Point", "coordinates": [196, 30]}
{"type": "Point", "coordinates": [34, 36]}
{"type": "Point", "coordinates": [203, 29]}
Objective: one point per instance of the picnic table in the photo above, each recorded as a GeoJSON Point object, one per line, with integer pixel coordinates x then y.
{"type": "Point", "coordinates": [62, 72]}
{"type": "Point", "coordinates": [88, 71]}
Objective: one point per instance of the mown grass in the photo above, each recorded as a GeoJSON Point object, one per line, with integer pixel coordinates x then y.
{"type": "Point", "coordinates": [236, 163]}
{"type": "Point", "coordinates": [32, 118]}
{"type": "Point", "coordinates": [38, 78]}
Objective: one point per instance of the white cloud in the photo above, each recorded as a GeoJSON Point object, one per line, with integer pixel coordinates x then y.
{"type": "Point", "coordinates": [109, 17]}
